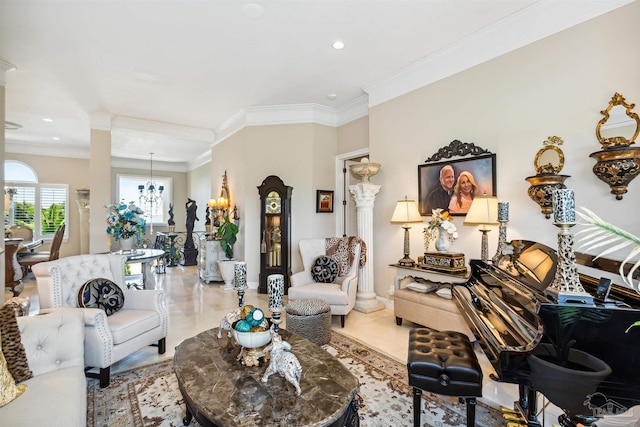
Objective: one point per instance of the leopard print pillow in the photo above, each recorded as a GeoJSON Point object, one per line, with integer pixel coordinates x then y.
{"type": "Point", "coordinates": [12, 347]}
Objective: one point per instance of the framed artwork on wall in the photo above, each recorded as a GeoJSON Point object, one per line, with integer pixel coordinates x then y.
{"type": "Point", "coordinates": [451, 185]}
{"type": "Point", "coordinates": [324, 201]}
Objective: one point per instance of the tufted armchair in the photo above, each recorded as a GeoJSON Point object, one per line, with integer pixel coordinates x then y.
{"type": "Point", "coordinates": [141, 321]}
{"type": "Point", "coordinates": [340, 294]}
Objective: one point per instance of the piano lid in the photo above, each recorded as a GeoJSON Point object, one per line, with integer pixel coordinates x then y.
{"type": "Point", "coordinates": [532, 263]}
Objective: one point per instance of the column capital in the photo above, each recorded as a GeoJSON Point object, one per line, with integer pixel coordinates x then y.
{"type": "Point", "coordinates": [100, 121]}
{"type": "Point", "coordinates": [4, 68]}
{"type": "Point", "coordinates": [364, 193]}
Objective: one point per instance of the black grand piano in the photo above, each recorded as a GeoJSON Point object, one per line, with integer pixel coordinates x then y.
{"type": "Point", "coordinates": [581, 356]}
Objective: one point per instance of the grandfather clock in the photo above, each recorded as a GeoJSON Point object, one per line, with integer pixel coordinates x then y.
{"type": "Point", "coordinates": [275, 231]}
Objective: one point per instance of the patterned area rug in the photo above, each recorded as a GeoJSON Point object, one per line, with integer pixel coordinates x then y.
{"type": "Point", "coordinates": [149, 396]}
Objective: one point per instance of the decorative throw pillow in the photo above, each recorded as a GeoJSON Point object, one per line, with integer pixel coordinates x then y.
{"type": "Point", "coordinates": [444, 293]}
{"type": "Point", "coordinates": [324, 269]}
{"type": "Point", "coordinates": [12, 348]}
{"type": "Point", "coordinates": [8, 388]}
{"type": "Point", "coordinates": [424, 288]}
{"type": "Point", "coordinates": [101, 293]}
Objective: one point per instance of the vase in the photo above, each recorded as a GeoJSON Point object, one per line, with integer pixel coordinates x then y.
{"type": "Point", "coordinates": [126, 243]}
{"type": "Point", "coordinates": [443, 242]}
{"type": "Point", "coordinates": [226, 267]}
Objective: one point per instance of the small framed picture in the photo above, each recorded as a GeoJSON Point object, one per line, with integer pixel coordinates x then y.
{"type": "Point", "coordinates": [324, 201]}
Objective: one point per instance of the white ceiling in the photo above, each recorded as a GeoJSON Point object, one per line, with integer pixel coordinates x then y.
{"type": "Point", "coordinates": [175, 77]}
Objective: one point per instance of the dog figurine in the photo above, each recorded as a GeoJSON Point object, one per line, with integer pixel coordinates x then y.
{"type": "Point", "coordinates": [228, 320]}
{"type": "Point", "coordinates": [283, 362]}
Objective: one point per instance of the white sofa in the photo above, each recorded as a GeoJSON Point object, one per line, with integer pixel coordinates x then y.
{"type": "Point", "coordinates": [57, 393]}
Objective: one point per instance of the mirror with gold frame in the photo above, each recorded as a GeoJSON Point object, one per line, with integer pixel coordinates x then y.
{"type": "Point", "coordinates": [548, 163]}
{"type": "Point", "coordinates": [620, 126]}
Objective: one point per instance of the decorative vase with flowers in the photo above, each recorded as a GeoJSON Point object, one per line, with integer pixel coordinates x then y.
{"type": "Point", "coordinates": [440, 227]}
{"type": "Point", "coordinates": [125, 221]}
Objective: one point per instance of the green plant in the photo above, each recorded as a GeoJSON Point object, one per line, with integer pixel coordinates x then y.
{"type": "Point", "coordinates": [601, 234]}
{"type": "Point", "coordinates": [228, 232]}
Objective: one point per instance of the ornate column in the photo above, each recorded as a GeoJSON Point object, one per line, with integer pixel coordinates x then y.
{"type": "Point", "coordinates": [84, 207]}
{"type": "Point", "coordinates": [364, 194]}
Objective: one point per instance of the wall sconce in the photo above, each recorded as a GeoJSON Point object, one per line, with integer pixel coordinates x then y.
{"type": "Point", "coordinates": [548, 163]}
{"type": "Point", "coordinates": [483, 211]}
{"type": "Point", "coordinates": [406, 212]}
{"type": "Point", "coordinates": [219, 208]}
{"type": "Point", "coordinates": [617, 163]}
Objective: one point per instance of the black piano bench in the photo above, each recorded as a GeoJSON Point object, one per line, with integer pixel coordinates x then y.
{"type": "Point", "coordinates": [443, 363]}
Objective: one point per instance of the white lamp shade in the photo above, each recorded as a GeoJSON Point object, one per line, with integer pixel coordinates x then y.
{"type": "Point", "coordinates": [406, 211]}
{"type": "Point", "coordinates": [483, 210]}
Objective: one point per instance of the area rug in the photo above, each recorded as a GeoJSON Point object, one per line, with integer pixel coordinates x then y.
{"type": "Point", "coordinates": [149, 396]}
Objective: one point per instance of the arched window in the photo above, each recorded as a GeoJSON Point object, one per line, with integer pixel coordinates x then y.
{"type": "Point", "coordinates": [41, 207]}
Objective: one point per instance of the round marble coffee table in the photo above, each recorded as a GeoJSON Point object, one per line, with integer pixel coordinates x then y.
{"type": "Point", "coordinates": [219, 391]}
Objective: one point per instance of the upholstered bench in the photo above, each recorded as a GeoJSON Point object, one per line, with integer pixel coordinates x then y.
{"type": "Point", "coordinates": [428, 304]}
{"type": "Point", "coordinates": [310, 318]}
{"type": "Point", "coordinates": [443, 363]}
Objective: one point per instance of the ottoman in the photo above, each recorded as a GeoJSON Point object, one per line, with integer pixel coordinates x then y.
{"type": "Point", "coordinates": [310, 318]}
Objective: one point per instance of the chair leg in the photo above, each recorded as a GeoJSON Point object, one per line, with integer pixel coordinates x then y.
{"type": "Point", "coordinates": [104, 375]}
{"type": "Point", "coordinates": [342, 320]}
{"type": "Point", "coordinates": [162, 346]}
{"type": "Point", "coordinates": [471, 411]}
{"type": "Point", "coordinates": [417, 401]}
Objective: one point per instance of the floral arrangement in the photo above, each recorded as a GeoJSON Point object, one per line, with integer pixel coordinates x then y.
{"type": "Point", "coordinates": [125, 220]}
{"type": "Point", "coordinates": [439, 219]}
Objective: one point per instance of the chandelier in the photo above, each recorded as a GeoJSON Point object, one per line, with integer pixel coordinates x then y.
{"type": "Point", "coordinates": [150, 196]}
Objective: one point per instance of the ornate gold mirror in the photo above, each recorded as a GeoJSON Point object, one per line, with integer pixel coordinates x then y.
{"type": "Point", "coordinates": [550, 158]}
{"type": "Point", "coordinates": [620, 125]}
{"type": "Point", "coordinates": [548, 162]}
{"type": "Point", "coordinates": [617, 163]}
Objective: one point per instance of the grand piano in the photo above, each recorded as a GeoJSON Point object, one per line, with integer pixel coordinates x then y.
{"type": "Point", "coordinates": [583, 357]}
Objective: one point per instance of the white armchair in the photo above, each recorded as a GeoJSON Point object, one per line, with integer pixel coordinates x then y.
{"type": "Point", "coordinates": [142, 320]}
{"type": "Point", "coordinates": [341, 293]}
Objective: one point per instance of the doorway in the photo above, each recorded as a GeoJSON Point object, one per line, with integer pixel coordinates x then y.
{"type": "Point", "coordinates": [346, 218]}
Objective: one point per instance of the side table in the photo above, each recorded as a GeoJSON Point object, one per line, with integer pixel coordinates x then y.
{"type": "Point", "coordinates": [209, 254]}
{"type": "Point", "coordinates": [403, 271]}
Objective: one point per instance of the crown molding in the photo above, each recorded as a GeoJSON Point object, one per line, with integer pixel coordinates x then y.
{"type": "Point", "coordinates": [169, 129]}
{"type": "Point", "coordinates": [353, 110]}
{"type": "Point", "coordinates": [199, 161]}
{"type": "Point", "coordinates": [531, 24]}
{"type": "Point", "coordinates": [5, 67]}
{"type": "Point", "coordinates": [158, 166]}
{"type": "Point", "coordinates": [290, 114]}
{"type": "Point", "coordinates": [57, 150]}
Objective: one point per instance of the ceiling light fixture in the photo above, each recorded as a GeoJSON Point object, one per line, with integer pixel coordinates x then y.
{"type": "Point", "coordinates": [56, 138]}
{"type": "Point", "coordinates": [332, 97]}
{"type": "Point", "coordinates": [149, 196]}
{"type": "Point", "coordinates": [338, 44]}
{"type": "Point", "coordinates": [47, 119]}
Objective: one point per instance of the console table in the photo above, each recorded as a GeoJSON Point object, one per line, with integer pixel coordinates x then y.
{"type": "Point", "coordinates": [219, 391]}
{"type": "Point", "coordinates": [403, 271]}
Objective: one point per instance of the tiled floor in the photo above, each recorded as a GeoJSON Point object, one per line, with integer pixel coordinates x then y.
{"type": "Point", "coordinates": [194, 307]}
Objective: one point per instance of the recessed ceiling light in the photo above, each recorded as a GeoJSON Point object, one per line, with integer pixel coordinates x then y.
{"type": "Point", "coordinates": [332, 96]}
{"type": "Point", "coordinates": [338, 44]}
{"type": "Point", "coordinates": [11, 126]}
{"type": "Point", "coordinates": [48, 120]}
{"type": "Point", "coordinates": [56, 138]}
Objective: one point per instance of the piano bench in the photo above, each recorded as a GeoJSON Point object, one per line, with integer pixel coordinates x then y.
{"type": "Point", "coordinates": [443, 363]}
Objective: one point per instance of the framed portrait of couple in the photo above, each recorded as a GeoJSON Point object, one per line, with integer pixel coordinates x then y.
{"type": "Point", "coordinates": [453, 184]}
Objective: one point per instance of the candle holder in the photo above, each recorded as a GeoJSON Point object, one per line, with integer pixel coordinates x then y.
{"type": "Point", "coordinates": [275, 286]}
{"type": "Point", "coordinates": [503, 219]}
{"type": "Point", "coordinates": [240, 280]}
{"type": "Point", "coordinates": [566, 286]}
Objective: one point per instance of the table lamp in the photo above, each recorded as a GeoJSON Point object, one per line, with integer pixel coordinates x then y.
{"type": "Point", "coordinates": [483, 211]}
{"type": "Point", "coordinates": [406, 212]}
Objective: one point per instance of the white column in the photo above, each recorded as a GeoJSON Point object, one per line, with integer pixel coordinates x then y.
{"type": "Point", "coordinates": [364, 194]}
{"type": "Point", "coordinates": [4, 68]}
{"type": "Point", "coordinates": [99, 180]}
{"type": "Point", "coordinates": [84, 210]}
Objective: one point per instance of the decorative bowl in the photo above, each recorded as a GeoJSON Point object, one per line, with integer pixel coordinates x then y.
{"type": "Point", "coordinates": [252, 339]}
